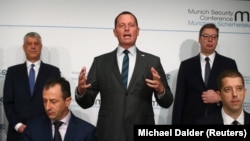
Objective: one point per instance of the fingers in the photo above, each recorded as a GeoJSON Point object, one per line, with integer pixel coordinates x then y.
{"type": "Point", "coordinates": [155, 74]}
{"type": "Point", "coordinates": [82, 81]}
{"type": "Point", "coordinates": [82, 73]}
{"type": "Point", "coordinates": [156, 82]}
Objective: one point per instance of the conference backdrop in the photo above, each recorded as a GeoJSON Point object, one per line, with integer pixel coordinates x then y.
{"type": "Point", "coordinates": [75, 31]}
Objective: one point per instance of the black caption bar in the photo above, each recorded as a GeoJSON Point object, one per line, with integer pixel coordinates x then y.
{"type": "Point", "coordinates": [204, 132]}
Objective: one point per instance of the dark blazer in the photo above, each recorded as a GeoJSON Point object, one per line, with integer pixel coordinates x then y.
{"type": "Point", "coordinates": [188, 106]}
{"type": "Point", "coordinates": [216, 119]}
{"type": "Point", "coordinates": [40, 129]}
{"type": "Point", "coordinates": [122, 108]}
{"type": "Point", "coordinates": [19, 105]}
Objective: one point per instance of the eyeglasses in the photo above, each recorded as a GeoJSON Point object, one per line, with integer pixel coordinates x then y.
{"type": "Point", "coordinates": [206, 36]}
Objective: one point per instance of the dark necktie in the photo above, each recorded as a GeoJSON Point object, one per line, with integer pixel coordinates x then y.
{"type": "Point", "coordinates": [125, 66]}
{"type": "Point", "coordinates": [32, 78]}
{"type": "Point", "coordinates": [57, 135]}
{"type": "Point", "coordinates": [235, 122]}
{"type": "Point", "coordinates": [207, 70]}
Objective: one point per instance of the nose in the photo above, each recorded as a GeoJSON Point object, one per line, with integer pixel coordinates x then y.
{"type": "Point", "coordinates": [46, 105]}
{"type": "Point", "coordinates": [126, 27]}
{"type": "Point", "coordinates": [235, 94]}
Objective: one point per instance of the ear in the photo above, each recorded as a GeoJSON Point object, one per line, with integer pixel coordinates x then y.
{"type": "Point", "coordinates": [114, 31]}
{"type": "Point", "coordinates": [219, 95]}
{"type": "Point", "coordinates": [67, 101]}
{"type": "Point", "coordinates": [138, 31]}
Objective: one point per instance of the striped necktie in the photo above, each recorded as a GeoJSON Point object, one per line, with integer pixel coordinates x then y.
{"type": "Point", "coordinates": [125, 67]}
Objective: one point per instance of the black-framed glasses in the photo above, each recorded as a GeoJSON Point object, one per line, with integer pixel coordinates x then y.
{"type": "Point", "coordinates": [206, 36]}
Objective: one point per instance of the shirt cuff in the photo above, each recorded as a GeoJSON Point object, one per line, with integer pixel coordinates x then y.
{"type": "Point", "coordinates": [162, 94]}
{"type": "Point", "coordinates": [77, 95]}
{"type": "Point", "coordinates": [18, 126]}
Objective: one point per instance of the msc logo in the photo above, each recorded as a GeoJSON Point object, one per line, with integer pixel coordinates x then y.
{"type": "Point", "coordinates": [242, 16]}
{"type": "Point", "coordinates": [3, 72]}
{"type": "Point", "coordinates": [1, 100]}
{"type": "Point", "coordinates": [2, 127]}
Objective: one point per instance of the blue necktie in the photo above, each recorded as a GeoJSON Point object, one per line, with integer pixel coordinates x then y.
{"type": "Point", "coordinates": [125, 66]}
{"type": "Point", "coordinates": [57, 135]}
{"type": "Point", "coordinates": [207, 70]}
{"type": "Point", "coordinates": [32, 78]}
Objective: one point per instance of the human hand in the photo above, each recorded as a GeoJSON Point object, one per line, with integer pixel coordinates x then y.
{"type": "Point", "coordinates": [82, 85]}
{"type": "Point", "coordinates": [210, 96]}
{"type": "Point", "coordinates": [156, 82]}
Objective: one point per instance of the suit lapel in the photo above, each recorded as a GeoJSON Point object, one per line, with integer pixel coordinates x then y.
{"type": "Point", "coordinates": [69, 135]}
{"type": "Point", "coordinates": [114, 66]}
{"type": "Point", "coordinates": [40, 78]}
{"type": "Point", "coordinates": [197, 68]}
{"type": "Point", "coordinates": [24, 74]}
{"type": "Point", "coordinates": [47, 128]}
{"type": "Point", "coordinates": [139, 66]}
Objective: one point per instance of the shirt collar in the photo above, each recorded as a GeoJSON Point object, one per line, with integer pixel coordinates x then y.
{"type": "Point", "coordinates": [132, 50]}
{"type": "Point", "coordinates": [211, 57]}
{"type": "Point", "coordinates": [65, 120]}
{"type": "Point", "coordinates": [228, 120]}
{"type": "Point", "coordinates": [37, 63]}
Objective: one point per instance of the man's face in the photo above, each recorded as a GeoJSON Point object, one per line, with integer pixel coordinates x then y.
{"type": "Point", "coordinates": [32, 47]}
{"type": "Point", "coordinates": [126, 30]}
{"type": "Point", "coordinates": [232, 94]}
{"type": "Point", "coordinates": [54, 104]}
{"type": "Point", "coordinates": [208, 41]}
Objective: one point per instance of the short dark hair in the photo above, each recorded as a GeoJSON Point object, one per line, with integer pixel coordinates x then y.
{"type": "Point", "coordinates": [209, 25]}
{"type": "Point", "coordinates": [123, 13]}
{"type": "Point", "coordinates": [228, 73]}
{"type": "Point", "coordinates": [65, 85]}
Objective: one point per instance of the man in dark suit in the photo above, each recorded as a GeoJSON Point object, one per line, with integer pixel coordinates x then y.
{"type": "Point", "coordinates": [194, 98]}
{"type": "Point", "coordinates": [124, 105]}
{"type": "Point", "coordinates": [20, 102]}
{"type": "Point", "coordinates": [232, 93]}
{"type": "Point", "coordinates": [56, 100]}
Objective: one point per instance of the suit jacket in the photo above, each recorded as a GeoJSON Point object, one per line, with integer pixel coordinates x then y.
{"type": "Point", "coordinates": [122, 108]}
{"type": "Point", "coordinates": [188, 106]}
{"type": "Point", "coordinates": [216, 119]}
{"type": "Point", "coordinates": [19, 105]}
{"type": "Point", "coordinates": [40, 129]}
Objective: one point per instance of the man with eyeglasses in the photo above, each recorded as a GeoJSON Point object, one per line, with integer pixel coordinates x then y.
{"type": "Point", "coordinates": [196, 86]}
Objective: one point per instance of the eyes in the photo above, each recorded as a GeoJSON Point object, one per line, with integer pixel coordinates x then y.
{"type": "Point", "coordinates": [32, 43]}
{"type": "Point", "coordinates": [230, 90]}
{"type": "Point", "coordinates": [126, 25]}
{"type": "Point", "coordinates": [206, 36]}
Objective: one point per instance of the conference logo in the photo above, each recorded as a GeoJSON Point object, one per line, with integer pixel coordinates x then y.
{"type": "Point", "coordinates": [3, 73]}
{"type": "Point", "coordinates": [242, 16]}
{"type": "Point", "coordinates": [1, 100]}
{"type": "Point", "coordinates": [2, 127]}
{"type": "Point", "coordinates": [222, 18]}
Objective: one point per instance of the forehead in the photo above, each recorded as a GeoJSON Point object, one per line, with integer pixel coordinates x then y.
{"type": "Point", "coordinates": [209, 31]}
{"type": "Point", "coordinates": [53, 91]}
{"type": "Point", "coordinates": [232, 81]}
{"type": "Point", "coordinates": [125, 18]}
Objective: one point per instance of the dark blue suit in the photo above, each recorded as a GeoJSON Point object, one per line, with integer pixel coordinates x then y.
{"type": "Point", "coordinates": [40, 129]}
{"type": "Point", "coordinates": [188, 106]}
{"type": "Point", "coordinates": [19, 105]}
{"type": "Point", "coordinates": [216, 119]}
